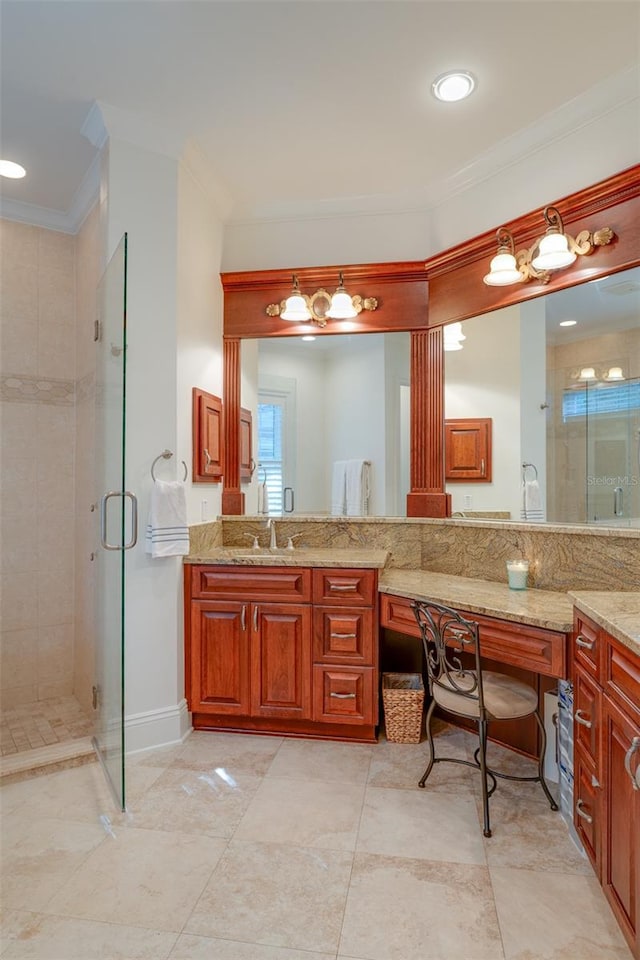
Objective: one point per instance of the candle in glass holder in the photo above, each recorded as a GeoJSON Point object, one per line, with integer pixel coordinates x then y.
{"type": "Point", "coordinates": [517, 572]}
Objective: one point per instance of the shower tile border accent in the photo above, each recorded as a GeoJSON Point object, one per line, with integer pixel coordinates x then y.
{"type": "Point", "coordinates": [20, 388]}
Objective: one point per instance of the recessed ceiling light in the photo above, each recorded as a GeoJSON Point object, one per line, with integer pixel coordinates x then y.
{"type": "Point", "coordinates": [568, 323]}
{"type": "Point", "coordinates": [10, 169]}
{"type": "Point", "coordinates": [454, 85]}
{"type": "Point", "coordinates": [308, 338]}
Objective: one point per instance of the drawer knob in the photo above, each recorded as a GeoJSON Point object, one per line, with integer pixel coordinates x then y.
{"type": "Point", "coordinates": [581, 812]}
{"type": "Point", "coordinates": [343, 696]}
{"type": "Point", "coordinates": [580, 718]}
{"type": "Point", "coordinates": [634, 777]}
{"type": "Point", "coordinates": [584, 643]}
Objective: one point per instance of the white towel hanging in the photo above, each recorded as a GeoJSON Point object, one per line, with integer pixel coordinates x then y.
{"type": "Point", "coordinates": [532, 508]}
{"type": "Point", "coordinates": [339, 489]}
{"type": "Point", "coordinates": [167, 533]}
{"type": "Point", "coordinates": [357, 487]}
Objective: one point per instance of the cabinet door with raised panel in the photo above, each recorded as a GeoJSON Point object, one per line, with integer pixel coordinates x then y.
{"type": "Point", "coordinates": [219, 657]}
{"type": "Point", "coordinates": [621, 833]}
{"type": "Point", "coordinates": [281, 660]}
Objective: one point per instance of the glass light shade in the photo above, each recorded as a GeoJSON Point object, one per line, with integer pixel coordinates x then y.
{"type": "Point", "coordinates": [342, 307]}
{"type": "Point", "coordinates": [296, 309]}
{"type": "Point", "coordinates": [503, 271]}
{"type": "Point", "coordinates": [553, 253]}
{"type": "Point", "coordinates": [615, 373]}
{"type": "Point", "coordinates": [587, 373]}
{"type": "Point", "coordinates": [450, 345]}
{"type": "Point", "coordinates": [453, 336]}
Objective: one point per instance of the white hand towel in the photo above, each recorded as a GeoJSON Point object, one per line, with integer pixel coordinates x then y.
{"type": "Point", "coordinates": [532, 508]}
{"type": "Point", "coordinates": [357, 474]}
{"type": "Point", "coordinates": [263, 498]}
{"type": "Point", "coordinates": [167, 532]}
{"type": "Point", "coordinates": [339, 488]}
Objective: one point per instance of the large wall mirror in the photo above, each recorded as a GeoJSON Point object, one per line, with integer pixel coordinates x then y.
{"type": "Point", "coordinates": [559, 376]}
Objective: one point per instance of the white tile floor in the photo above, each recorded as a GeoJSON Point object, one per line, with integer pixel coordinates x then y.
{"type": "Point", "coordinates": [261, 848]}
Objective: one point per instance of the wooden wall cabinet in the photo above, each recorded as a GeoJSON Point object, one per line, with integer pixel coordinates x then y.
{"type": "Point", "coordinates": [606, 679]}
{"type": "Point", "coordinates": [282, 650]}
{"type": "Point", "coordinates": [467, 446]}
{"type": "Point", "coordinates": [207, 437]}
{"type": "Point", "coordinates": [247, 463]}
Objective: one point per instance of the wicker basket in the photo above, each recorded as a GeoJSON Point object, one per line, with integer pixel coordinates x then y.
{"type": "Point", "coordinates": [403, 699]}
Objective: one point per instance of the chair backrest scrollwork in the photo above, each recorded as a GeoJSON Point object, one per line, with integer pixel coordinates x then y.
{"type": "Point", "coordinates": [446, 637]}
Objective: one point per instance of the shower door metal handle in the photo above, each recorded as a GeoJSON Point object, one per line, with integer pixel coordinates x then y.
{"type": "Point", "coordinates": [103, 520]}
{"type": "Point", "coordinates": [288, 501]}
{"type": "Point", "coordinates": [618, 508]}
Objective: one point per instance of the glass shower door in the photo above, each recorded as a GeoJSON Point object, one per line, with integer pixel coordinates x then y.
{"type": "Point", "coordinates": [117, 516]}
{"type": "Point", "coordinates": [613, 454]}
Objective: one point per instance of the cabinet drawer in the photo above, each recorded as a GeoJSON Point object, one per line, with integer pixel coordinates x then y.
{"type": "Point", "coordinates": [344, 694]}
{"type": "Point", "coordinates": [621, 675]}
{"type": "Point", "coordinates": [396, 614]}
{"type": "Point", "coordinates": [236, 583]}
{"type": "Point", "coordinates": [348, 587]}
{"type": "Point", "coordinates": [343, 635]}
{"type": "Point", "coordinates": [586, 644]}
{"type": "Point", "coordinates": [587, 809]}
{"type": "Point", "coordinates": [587, 718]}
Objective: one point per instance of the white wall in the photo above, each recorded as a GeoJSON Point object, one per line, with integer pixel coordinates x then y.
{"type": "Point", "coordinates": [472, 390]}
{"type": "Point", "coordinates": [533, 379]}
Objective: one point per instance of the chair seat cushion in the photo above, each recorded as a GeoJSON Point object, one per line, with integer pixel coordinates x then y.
{"type": "Point", "coordinates": [505, 698]}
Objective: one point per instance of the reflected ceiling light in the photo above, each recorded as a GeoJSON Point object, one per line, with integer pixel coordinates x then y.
{"type": "Point", "coordinates": [453, 337]}
{"type": "Point", "coordinates": [587, 373]}
{"type": "Point", "coordinates": [342, 307]}
{"type": "Point", "coordinates": [296, 308]}
{"type": "Point", "coordinates": [568, 323]}
{"type": "Point", "coordinates": [614, 373]}
{"type": "Point", "coordinates": [12, 170]}
{"type": "Point", "coordinates": [553, 251]}
{"type": "Point", "coordinates": [321, 306]}
{"type": "Point", "coordinates": [453, 85]}
{"type": "Point", "coordinates": [504, 269]}
{"type": "Point", "coordinates": [308, 338]}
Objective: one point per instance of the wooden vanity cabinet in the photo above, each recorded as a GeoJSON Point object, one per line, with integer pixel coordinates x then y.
{"type": "Point", "coordinates": [267, 650]}
{"type": "Point", "coordinates": [606, 679]}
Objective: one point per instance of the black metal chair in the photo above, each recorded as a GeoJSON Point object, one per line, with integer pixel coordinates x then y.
{"type": "Point", "coordinates": [472, 692]}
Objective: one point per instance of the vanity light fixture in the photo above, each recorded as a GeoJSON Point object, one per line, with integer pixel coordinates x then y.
{"type": "Point", "coordinates": [453, 86]}
{"type": "Point", "coordinates": [321, 306]}
{"type": "Point", "coordinates": [614, 373]}
{"type": "Point", "coordinates": [553, 251]}
{"type": "Point", "coordinates": [453, 337]}
{"type": "Point", "coordinates": [587, 373]}
{"type": "Point", "coordinates": [12, 170]}
{"type": "Point", "coordinates": [296, 308]}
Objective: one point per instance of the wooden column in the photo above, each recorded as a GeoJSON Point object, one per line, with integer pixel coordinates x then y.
{"type": "Point", "coordinates": [232, 495]}
{"type": "Point", "coordinates": [427, 497]}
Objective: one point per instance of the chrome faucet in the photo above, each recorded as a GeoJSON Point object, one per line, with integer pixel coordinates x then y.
{"type": "Point", "coordinates": [271, 526]}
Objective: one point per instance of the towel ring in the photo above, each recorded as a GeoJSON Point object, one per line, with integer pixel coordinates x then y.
{"type": "Point", "coordinates": [533, 467]}
{"type": "Point", "coordinates": [166, 455]}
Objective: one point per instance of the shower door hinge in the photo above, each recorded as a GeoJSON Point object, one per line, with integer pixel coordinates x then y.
{"type": "Point", "coordinates": [94, 697]}
{"type": "Point", "coordinates": [97, 330]}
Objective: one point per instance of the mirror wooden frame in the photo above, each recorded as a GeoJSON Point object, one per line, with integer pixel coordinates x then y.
{"type": "Point", "coordinates": [421, 297]}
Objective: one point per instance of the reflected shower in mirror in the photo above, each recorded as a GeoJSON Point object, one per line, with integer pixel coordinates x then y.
{"type": "Point", "coordinates": [332, 398]}
{"type": "Point", "coordinates": [559, 376]}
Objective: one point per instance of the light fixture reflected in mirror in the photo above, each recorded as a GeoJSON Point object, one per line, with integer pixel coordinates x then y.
{"type": "Point", "coordinates": [321, 306]}
{"type": "Point", "coordinates": [556, 250]}
{"type": "Point", "coordinates": [587, 373]}
{"type": "Point", "coordinates": [614, 373]}
{"type": "Point", "coordinates": [453, 337]}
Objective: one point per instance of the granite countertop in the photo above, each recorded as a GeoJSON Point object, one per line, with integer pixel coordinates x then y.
{"type": "Point", "coordinates": [615, 611]}
{"type": "Point", "coordinates": [539, 608]}
{"type": "Point", "coordinates": [302, 557]}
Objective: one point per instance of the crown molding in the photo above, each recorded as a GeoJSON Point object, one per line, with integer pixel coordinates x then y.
{"type": "Point", "coordinates": [201, 170]}
{"type": "Point", "coordinates": [64, 221]}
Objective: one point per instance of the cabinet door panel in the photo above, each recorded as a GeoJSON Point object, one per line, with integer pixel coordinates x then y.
{"type": "Point", "coordinates": [587, 812]}
{"type": "Point", "coordinates": [622, 676]}
{"type": "Point", "coordinates": [281, 660]}
{"type": "Point", "coordinates": [586, 645]}
{"type": "Point", "coordinates": [343, 635]}
{"type": "Point", "coordinates": [587, 717]}
{"type": "Point", "coordinates": [249, 583]}
{"type": "Point", "coordinates": [344, 694]}
{"type": "Point", "coordinates": [219, 657]}
{"type": "Point", "coordinates": [621, 853]}
{"type": "Point", "coordinates": [207, 437]}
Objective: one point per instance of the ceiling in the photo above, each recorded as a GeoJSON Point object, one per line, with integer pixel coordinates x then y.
{"type": "Point", "coordinates": [298, 106]}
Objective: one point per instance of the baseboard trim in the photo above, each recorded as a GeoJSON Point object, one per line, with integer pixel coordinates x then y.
{"type": "Point", "coordinates": [157, 728]}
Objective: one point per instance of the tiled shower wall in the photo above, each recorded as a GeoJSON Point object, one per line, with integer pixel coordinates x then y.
{"type": "Point", "coordinates": [44, 351]}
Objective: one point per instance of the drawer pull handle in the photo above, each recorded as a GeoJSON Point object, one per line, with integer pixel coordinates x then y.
{"type": "Point", "coordinates": [344, 636]}
{"type": "Point", "coordinates": [341, 588]}
{"type": "Point", "coordinates": [343, 696]}
{"type": "Point", "coordinates": [581, 812]}
{"type": "Point", "coordinates": [243, 617]}
{"type": "Point", "coordinates": [255, 618]}
{"type": "Point", "coordinates": [585, 644]}
{"type": "Point", "coordinates": [580, 718]}
{"type": "Point", "coordinates": [635, 745]}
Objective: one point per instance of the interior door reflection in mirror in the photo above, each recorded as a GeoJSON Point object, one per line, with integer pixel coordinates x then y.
{"type": "Point", "coordinates": [560, 378]}
{"type": "Point", "coordinates": [334, 398]}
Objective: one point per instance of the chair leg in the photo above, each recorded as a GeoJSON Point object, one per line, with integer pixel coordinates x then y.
{"type": "Point", "coordinates": [432, 758]}
{"type": "Point", "coordinates": [482, 730]}
{"type": "Point", "coordinates": [543, 747]}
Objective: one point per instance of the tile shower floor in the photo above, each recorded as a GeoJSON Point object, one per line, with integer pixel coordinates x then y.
{"type": "Point", "coordinates": [261, 848]}
{"type": "Point", "coordinates": [43, 723]}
